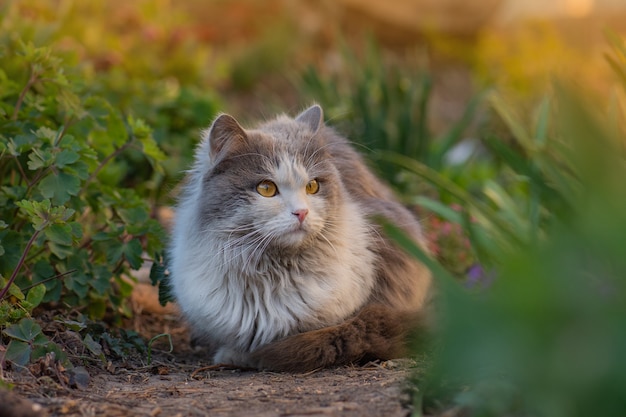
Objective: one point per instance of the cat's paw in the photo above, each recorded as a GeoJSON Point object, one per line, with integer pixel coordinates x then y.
{"type": "Point", "coordinates": [228, 356]}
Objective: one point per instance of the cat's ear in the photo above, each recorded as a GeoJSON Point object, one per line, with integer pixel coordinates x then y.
{"type": "Point", "coordinates": [313, 117]}
{"type": "Point", "coordinates": [223, 133]}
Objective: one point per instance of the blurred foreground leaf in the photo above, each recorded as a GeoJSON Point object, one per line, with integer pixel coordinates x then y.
{"type": "Point", "coordinates": [547, 338]}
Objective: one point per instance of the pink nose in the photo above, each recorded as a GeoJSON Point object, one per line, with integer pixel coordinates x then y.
{"type": "Point", "coordinates": [301, 213]}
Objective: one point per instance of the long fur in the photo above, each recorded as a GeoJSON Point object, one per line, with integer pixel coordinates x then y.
{"type": "Point", "coordinates": [263, 290]}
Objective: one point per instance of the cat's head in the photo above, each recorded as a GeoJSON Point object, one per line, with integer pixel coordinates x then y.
{"type": "Point", "coordinates": [271, 187]}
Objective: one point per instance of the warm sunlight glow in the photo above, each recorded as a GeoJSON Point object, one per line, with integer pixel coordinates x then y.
{"type": "Point", "coordinates": [579, 8]}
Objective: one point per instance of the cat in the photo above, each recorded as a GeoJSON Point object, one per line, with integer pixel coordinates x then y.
{"type": "Point", "coordinates": [277, 261]}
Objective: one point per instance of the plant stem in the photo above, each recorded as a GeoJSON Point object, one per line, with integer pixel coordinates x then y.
{"type": "Point", "coordinates": [21, 169]}
{"type": "Point", "coordinates": [5, 290]}
{"type": "Point", "coordinates": [103, 163]}
{"type": "Point", "coordinates": [31, 81]}
{"type": "Point", "coordinates": [66, 125]}
{"type": "Point", "coordinates": [58, 276]}
{"type": "Point", "coordinates": [169, 337]}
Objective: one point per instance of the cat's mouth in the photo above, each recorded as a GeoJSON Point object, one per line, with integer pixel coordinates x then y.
{"type": "Point", "coordinates": [296, 234]}
{"type": "Point", "coordinates": [298, 229]}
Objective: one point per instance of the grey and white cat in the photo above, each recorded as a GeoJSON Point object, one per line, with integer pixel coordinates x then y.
{"type": "Point", "coordinates": [276, 259]}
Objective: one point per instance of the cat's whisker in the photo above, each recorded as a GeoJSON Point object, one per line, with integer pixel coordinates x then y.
{"type": "Point", "coordinates": [329, 243]}
{"type": "Point", "coordinates": [314, 154]}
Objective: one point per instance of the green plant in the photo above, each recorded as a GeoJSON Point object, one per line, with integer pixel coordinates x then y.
{"type": "Point", "coordinates": [70, 234]}
{"type": "Point", "coordinates": [154, 339]}
{"type": "Point", "coordinates": [383, 105]}
{"type": "Point", "coordinates": [546, 337]}
{"type": "Point", "coordinates": [29, 343]}
{"type": "Point", "coordinates": [143, 62]}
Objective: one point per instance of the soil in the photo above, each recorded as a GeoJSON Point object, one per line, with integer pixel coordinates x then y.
{"type": "Point", "coordinates": [183, 383]}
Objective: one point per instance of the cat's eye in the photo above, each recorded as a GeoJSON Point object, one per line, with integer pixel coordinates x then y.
{"type": "Point", "coordinates": [312, 187]}
{"type": "Point", "coordinates": [267, 188]}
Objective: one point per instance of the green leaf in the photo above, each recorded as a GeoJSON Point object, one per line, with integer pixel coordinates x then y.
{"type": "Point", "coordinates": [406, 243]}
{"type": "Point", "coordinates": [512, 120]}
{"type": "Point", "coordinates": [73, 325]}
{"type": "Point", "coordinates": [26, 330]}
{"type": "Point", "coordinates": [157, 270]}
{"type": "Point", "coordinates": [37, 211]}
{"type": "Point", "coordinates": [79, 169]}
{"type": "Point", "coordinates": [160, 277]}
{"type": "Point", "coordinates": [134, 215]}
{"type": "Point", "coordinates": [139, 127]}
{"type": "Point", "coordinates": [59, 233]}
{"type": "Point", "coordinates": [16, 192]}
{"type": "Point", "coordinates": [21, 143]}
{"type": "Point", "coordinates": [132, 252]}
{"type": "Point", "coordinates": [35, 295]}
{"type": "Point", "coordinates": [44, 347]}
{"type": "Point", "coordinates": [47, 134]}
{"type": "Point", "coordinates": [59, 250]}
{"type": "Point", "coordinates": [16, 292]}
{"type": "Point", "coordinates": [101, 280]}
{"type": "Point", "coordinates": [42, 213]}
{"type": "Point", "coordinates": [66, 157]}
{"type": "Point", "coordinates": [93, 346]}
{"type": "Point", "coordinates": [541, 128]}
{"type": "Point", "coordinates": [42, 270]}
{"type": "Point", "coordinates": [18, 352]}
{"type": "Point", "coordinates": [59, 187]}
{"type": "Point", "coordinates": [39, 158]}
{"type": "Point", "coordinates": [455, 190]}
{"type": "Point", "coordinates": [152, 150]}
{"type": "Point", "coordinates": [442, 210]}
{"type": "Point", "coordinates": [77, 229]}
{"type": "Point", "coordinates": [78, 282]}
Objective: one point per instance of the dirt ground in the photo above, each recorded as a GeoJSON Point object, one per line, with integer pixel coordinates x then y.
{"type": "Point", "coordinates": [181, 383]}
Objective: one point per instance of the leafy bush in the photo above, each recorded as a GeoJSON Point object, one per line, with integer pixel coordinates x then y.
{"type": "Point", "coordinates": [144, 62]}
{"type": "Point", "coordinates": [70, 235]}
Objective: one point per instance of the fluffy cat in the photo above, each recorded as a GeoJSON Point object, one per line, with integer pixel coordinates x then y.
{"type": "Point", "coordinates": [276, 259]}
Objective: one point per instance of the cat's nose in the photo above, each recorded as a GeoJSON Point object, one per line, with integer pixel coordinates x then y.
{"type": "Point", "coordinates": [301, 213]}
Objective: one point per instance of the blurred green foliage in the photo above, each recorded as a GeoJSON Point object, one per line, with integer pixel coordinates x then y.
{"type": "Point", "coordinates": [143, 61]}
{"type": "Point", "coordinates": [382, 103]}
{"type": "Point", "coordinates": [545, 334]}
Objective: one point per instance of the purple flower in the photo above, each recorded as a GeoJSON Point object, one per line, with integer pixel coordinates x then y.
{"type": "Point", "coordinates": [477, 277]}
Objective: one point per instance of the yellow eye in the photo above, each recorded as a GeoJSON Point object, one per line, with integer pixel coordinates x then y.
{"type": "Point", "coordinates": [312, 187]}
{"type": "Point", "coordinates": [267, 188]}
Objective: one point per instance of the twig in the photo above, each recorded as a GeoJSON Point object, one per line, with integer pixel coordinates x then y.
{"type": "Point", "coordinates": [31, 81]}
{"type": "Point", "coordinates": [218, 367]}
{"type": "Point", "coordinates": [5, 290]}
{"type": "Point", "coordinates": [103, 163]}
{"type": "Point", "coordinates": [61, 134]}
{"type": "Point", "coordinates": [50, 279]}
{"type": "Point", "coordinates": [21, 169]}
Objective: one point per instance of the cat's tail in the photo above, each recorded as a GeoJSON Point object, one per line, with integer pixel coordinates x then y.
{"type": "Point", "coordinates": [376, 332]}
